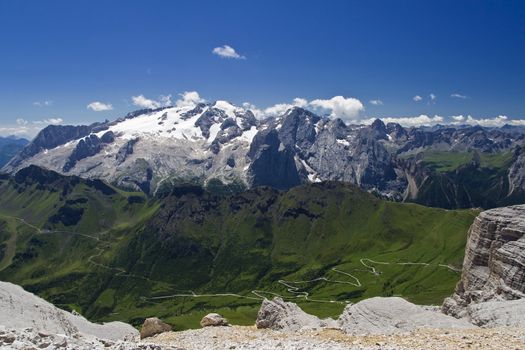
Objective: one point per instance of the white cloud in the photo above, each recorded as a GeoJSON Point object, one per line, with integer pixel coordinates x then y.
{"type": "Point", "coordinates": [189, 99]}
{"type": "Point", "coordinates": [456, 95]}
{"type": "Point", "coordinates": [143, 102]}
{"type": "Point", "coordinates": [433, 97]}
{"type": "Point", "coordinates": [277, 109]}
{"type": "Point", "coordinates": [300, 102]}
{"type": "Point", "coordinates": [45, 103]}
{"type": "Point", "coordinates": [417, 98]}
{"type": "Point", "coordinates": [26, 128]}
{"type": "Point", "coordinates": [410, 121]}
{"type": "Point", "coordinates": [340, 107]}
{"type": "Point", "coordinates": [18, 130]}
{"type": "Point", "coordinates": [49, 121]}
{"type": "Point", "coordinates": [99, 106]}
{"type": "Point", "coordinates": [487, 122]}
{"type": "Point", "coordinates": [376, 102]}
{"type": "Point", "coordinates": [227, 51]}
{"type": "Point", "coordinates": [53, 121]}
{"type": "Point", "coordinates": [21, 121]}
{"type": "Point", "coordinates": [165, 100]}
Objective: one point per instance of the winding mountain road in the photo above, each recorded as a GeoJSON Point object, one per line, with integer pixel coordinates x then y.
{"type": "Point", "coordinates": [292, 287]}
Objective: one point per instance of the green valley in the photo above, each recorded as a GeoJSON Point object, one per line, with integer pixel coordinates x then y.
{"type": "Point", "coordinates": [115, 255]}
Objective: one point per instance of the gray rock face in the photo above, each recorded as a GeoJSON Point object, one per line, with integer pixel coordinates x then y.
{"type": "Point", "coordinates": [517, 171]}
{"type": "Point", "coordinates": [51, 137]}
{"type": "Point", "coordinates": [88, 147]}
{"type": "Point", "coordinates": [126, 150]}
{"type": "Point", "coordinates": [279, 315]}
{"type": "Point", "coordinates": [20, 309]}
{"type": "Point", "coordinates": [213, 320]}
{"type": "Point", "coordinates": [272, 164]}
{"type": "Point", "coordinates": [152, 326]}
{"type": "Point", "coordinates": [494, 264]}
{"type": "Point", "coordinates": [392, 315]}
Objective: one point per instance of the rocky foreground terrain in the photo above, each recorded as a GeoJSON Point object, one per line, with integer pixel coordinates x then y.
{"type": "Point", "coordinates": [485, 312]}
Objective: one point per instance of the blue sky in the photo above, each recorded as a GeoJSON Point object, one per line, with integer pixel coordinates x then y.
{"type": "Point", "coordinates": [58, 57]}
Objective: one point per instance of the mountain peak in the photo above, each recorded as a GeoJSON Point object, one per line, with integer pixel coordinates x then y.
{"type": "Point", "coordinates": [378, 125]}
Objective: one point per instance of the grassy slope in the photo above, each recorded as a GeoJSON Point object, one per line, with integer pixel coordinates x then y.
{"type": "Point", "coordinates": [197, 242]}
{"type": "Point", "coordinates": [457, 181]}
{"type": "Point", "coordinates": [294, 236]}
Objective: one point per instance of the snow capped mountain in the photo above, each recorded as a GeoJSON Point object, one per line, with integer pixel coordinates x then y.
{"type": "Point", "coordinates": [150, 147]}
{"type": "Point", "coordinates": [153, 149]}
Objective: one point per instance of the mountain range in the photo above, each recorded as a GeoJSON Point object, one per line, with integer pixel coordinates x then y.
{"type": "Point", "coordinates": [9, 147]}
{"type": "Point", "coordinates": [223, 145]}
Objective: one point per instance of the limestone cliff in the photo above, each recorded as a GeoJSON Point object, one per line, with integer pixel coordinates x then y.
{"type": "Point", "coordinates": [494, 264]}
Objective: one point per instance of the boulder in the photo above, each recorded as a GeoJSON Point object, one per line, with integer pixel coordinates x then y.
{"type": "Point", "coordinates": [393, 315]}
{"type": "Point", "coordinates": [277, 314]}
{"type": "Point", "coordinates": [508, 313]}
{"type": "Point", "coordinates": [152, 326]}
{"type": "Point", "coordinates": [214, 320]}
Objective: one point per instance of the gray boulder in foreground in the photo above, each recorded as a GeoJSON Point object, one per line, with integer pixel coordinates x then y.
{"type": "Point", "coordinates": [391, 315]}
{"type": "Point", "coordinates": [279, 315]}
{"type": "Point", "coordinates": [21, 309]}
{"type": "Point", "coordinates": [490, 314]}
{"type": "Point", "coordinates": [152, 326]}
{"type": "Point", "coordinates": [371, 316]}
{"type": "Point", "coordinates": [213, 320]}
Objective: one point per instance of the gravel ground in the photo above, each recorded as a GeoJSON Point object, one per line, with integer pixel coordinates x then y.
{"type": "Point", "coordinates": [241, 338]}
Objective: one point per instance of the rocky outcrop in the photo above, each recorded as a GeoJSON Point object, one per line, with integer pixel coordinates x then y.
{"type": "Point", "coordinates": [494, 264]}
{"type": "Point", "coordinates": [213, 320]}
{"type": "Point", "coordinates": [272, 163]}
{"type": "Point", "coordinates": [125, 150]}
{"type": "Point", "coordinates": [88, 147]}
{"type": "Point", "coordinates": [21, 309]}
{"type": "Point", "coordinates": [152, 326]}
{"type": "Point", "coordinates": [51, 137]}
{"type": "Point", "coordinates": [277, 314]}
{"type": "Point", "coordinates": [371, 316]}
{"type": "Point", "coordinates": [490, 314]}
{"type": "Point", "coordinates": [392, 315]}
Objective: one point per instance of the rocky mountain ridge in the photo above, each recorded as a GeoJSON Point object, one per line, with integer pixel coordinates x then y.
{"type": "Point", "coordinates": [155, 149]}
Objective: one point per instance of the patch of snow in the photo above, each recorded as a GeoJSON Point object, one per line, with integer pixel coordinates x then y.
{"type": "Point", "coordinates": [214, 130]}
{"type": "Point", "coordinates": [248, 135]}
{"type": "Point", "coordinates": [343, 142]}
{"type": "Point", "coordinates": [312, 174]}
{"type": "Point", "coordinates": [228, 108]}
{"type": "Point", "coordinates": [147, 125]}
{"type": "Point", "coordinates": [318, 126]}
